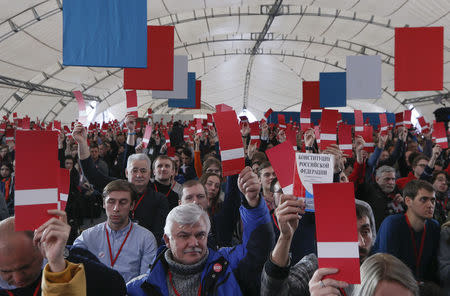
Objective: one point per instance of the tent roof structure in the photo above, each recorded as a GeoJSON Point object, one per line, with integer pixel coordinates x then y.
{"type": "Point", "coordinates": [249, 54]}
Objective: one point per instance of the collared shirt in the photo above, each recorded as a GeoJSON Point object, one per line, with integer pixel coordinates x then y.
{"type": "Point", "coordinates": [137, 253]}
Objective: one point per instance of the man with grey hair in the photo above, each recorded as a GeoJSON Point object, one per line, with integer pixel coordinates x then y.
{"type": "Point", "coordinates": [188, 267]}
{"type": "Point", "coordinates": [151, 208]}
{"type": "Point", "coordinates": [383, 196]}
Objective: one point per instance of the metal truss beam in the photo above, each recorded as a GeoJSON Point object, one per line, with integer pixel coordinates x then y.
{"type": "Point", "coordinates": [341, 44]}
{"type": "Point", "coordinates": [41, 88]}
{"type": "Point", "coordinates": [437, 99]}
{"type": "Point", "coordinates": [272, 11]}
{"type": "Point", "coordinates": [292, 10]}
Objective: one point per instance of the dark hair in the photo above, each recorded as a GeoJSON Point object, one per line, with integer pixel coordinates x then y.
{"type": "Point", "coordinates": [211, 161]}
{"type": "Point", "coordinates": [162, 157]}
{"type": "Point", "coordinates": [262, 166]}
{"type": "Point", "coordinates": [412, 188]}
{"type": "Point", "coordinates": [259, 156]}
{"type": "Point", "coordinates": [205, 176]}
{"type": "Point", "coordinates": [419, 158]}
{"type": "Point", "coordinates": [437, 173]}
{"type": "Point", "coordinates": [187, 152]}
{"type": "Point", "coordinates": [191, 183]}
{"type": "Point", "coordinates": [412, 156]}
{"type": "Point", "coordinates": [93, 145]}
{"type": "Point", "coordinates": [8, 165]}
{"type": "Point", "coordinates": [362, 211]}
{"type": "Point", "coordinates": [120, 185]}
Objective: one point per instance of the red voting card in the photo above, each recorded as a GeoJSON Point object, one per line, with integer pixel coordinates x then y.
{"type": "Point", "coordinates": [230, 142]}
{"type": "Point", "coordinates": [26, 123]}
{"type": "Point", "coordinates": [147, 135]}
{"type": "Point", "coordinates": [383, 124]}
{"type": "Point", "coordinates": [223, 108]}
{"type": "Point", "coordinates": [281, 121]}
{"type": "Point", "coordinates": [424, 125]}
{"type": "Point", "coordinates": [9, 135]}
{"type": "Point", "coordinates": [210, 120]}
{"type": "Point", "coordinates": [254, 133]}
{"type": "Point", "coordinates": [36, 188]}
{"type": "Point", "coordinates": [132, 103]}
{"type": "Point", "coordinates": [311, 94]}
{"type": "Point", "coordinates": [267, 114]}
{"type": "Point", "coordinates": [328, 126]}
{"type": "Point", "coordinates": [345, 139]}
{"type": "Point", "coordinates": [305, 118]}
{"type": "Point", "coordinates": [337, 243]}
{"type": "Point", "coordinates": [159, 72]}
{"type": "Point", "coordinates": [407, 118]}
{"type": "Point", "coordinates": [198, 126]}
{"type": "Point", "coordinates": [419, 59]}
{"type": "Point", "coordinates": [63, 187]}
{"type": "Point", "coordinates": [440, 134]}
{"type": "Point", "coordinates": [279, 156]}
{"type": "Point", "coordinates": [82, 114]}
{"type": "Point", "coordinates": [291, 137]}
{"type": "Point", "coordinates": [369, 146]}
{"type": "Point", "coordinates": [167, 137]}
{"type": "Point", "coordinates": [57, 125]}
{"type": "Point", "coordinates": [359, 123]}
{"type": "Point", "coordinates": [399, 119]}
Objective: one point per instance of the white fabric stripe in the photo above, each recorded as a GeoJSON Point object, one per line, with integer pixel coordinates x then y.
{"type": "Point", "coordinates": [305, 120]}
{"type": "Point", "coordinates": [63, 196]}
{"type": "Point", "coordinates": [168, 141]}
{"type": "Point", "coordinates": [254, 137]}
{"type": "Point", "coordinates": [369, 145]}
{"type": "Point", "coordinates": [337, 250]}
{"type": "Point", "coordinates": [383, 128]}
{"type": "Point", "coordinates": [406, 122]}
{"type": "Point", "coordinates": [359, 128]}
{"type": "Point", "coordinates": [145, 140]}
{"type": "Point", "coordinates": [36, 196]}
{"type": "Point", "coordinates": [199, 131]}
{"type": "Point", "coordinates": [282, 126]}
{"type": "Point", "coordinates": [232, 154]}
{"type": "Point", "coordinates": [328, 137]}
{"type": "Point", "coordinates": [131, 109]}
{"type": "Point", "coordinates": [441, 140]}
{"type": "Point", "coordinates": [318, 141]}
{"type": "Point", "coordinates": [345, 146]}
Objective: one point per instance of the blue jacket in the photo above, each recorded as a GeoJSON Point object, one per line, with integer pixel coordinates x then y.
{"type": "Point", "coordinates": [241, 265]}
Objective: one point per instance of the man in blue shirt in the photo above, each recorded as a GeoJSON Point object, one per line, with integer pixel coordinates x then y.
{"type": "Point", "coordinates": [118, 243]}
{"type": "Point", "coordinates": [413, 237]}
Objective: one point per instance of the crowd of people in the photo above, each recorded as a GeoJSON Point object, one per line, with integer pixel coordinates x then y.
{"type": "Point", "coordinates": [176, 226]}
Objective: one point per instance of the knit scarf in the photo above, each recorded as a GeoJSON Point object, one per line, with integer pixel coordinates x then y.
{"type": "Point", "coordinates": [186, 279]}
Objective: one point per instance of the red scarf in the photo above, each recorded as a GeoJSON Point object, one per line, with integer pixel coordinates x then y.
{"type": "Point", "coordinates": [7, 182]}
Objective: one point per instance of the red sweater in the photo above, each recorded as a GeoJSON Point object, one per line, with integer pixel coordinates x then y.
{"type": "Point", "coordinates": [401, 183]}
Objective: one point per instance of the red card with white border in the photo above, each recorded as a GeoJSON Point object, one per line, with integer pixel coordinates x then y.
{"type": "Point", "coordinates": [383, 124]}
{"type": "Point", "coordinates": [424, 125]}
{"type": "Point", "coordinates": [281, 121]}
{"type": "Point", "coordinates": [9, 135]}
{"type": "Point", "coordinates": [345, 139]}
{"type": "Point", "coordinates": [254, 133]}
{"type": "Point", "coordinates": [440, 134]}
{"type": "Point", "coordinates": [359, 123]}
{"type": "Point", "coordinates": [291, 136]}
{"type": "Point", "coordinates": [63, 187]}
{"type": "Point", "coordinates": [230, 142]}
{"type": "Point", "coordinates": [407, 118]}
{"type": "Point", "coordinates": [82, 113]}
{"type": "Point", "coordinates": [399, 119]}
{"type": "Point", "coordinates": [147, 136]}
{"type": "Point", "coordinates": [167, 137]}
{"type": "Point", "coordinates": [328, 126]}
{"type": "Point", "coordinates": [267, 114]}
{"type": "Point", "coordinates": [337, 243]}
{"type": "Point", "coordinates": [132, 103]}
{"type": "Point", "coordinates": [36, 189]}
{"type": "Point", "coordinates": [369, 146]}
{"type": "Point", "coordinates": [279, 156]}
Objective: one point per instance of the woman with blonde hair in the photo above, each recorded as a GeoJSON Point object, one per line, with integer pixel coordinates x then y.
{"type": "Point", "coordinates": [384, 274]}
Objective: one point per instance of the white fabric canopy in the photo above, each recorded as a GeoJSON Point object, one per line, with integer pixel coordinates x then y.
{"type": "Point", "coordinates": [304, 39]}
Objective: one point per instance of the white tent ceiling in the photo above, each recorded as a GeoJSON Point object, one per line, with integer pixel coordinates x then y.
{"type": "Point", "coordinates": [220, 38]}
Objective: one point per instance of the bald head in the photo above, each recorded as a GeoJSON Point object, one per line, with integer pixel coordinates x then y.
{"type": "Point", "coordinates": [20, 260]}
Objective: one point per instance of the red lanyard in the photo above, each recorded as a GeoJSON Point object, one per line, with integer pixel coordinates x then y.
{"type": "Point", "coordinates": [273, 217]}
{"type": "Point", "coordinates": [422, 242]}
{"type": "Point", "coordinates": [342, 292]}
{"type": "Point", "coordinates": [167, 194]}
{"type": "Point", "coordinates": [135, 207]}
{"type": "Point", "coordinates": [35, 291]}
{"type": "Point", "coordinates": [113, 261]}
{"type": "Point", "coordinates": [175, 290]}
{"type": "Point", "coordinates": [444, 204]}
